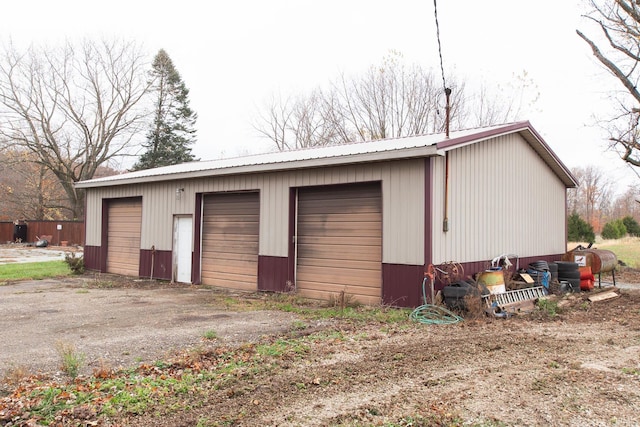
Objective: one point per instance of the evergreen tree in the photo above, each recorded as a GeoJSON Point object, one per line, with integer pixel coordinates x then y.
{"type": "Point", "coordinates": [632, 226]}
{"type": "Point", "coordinates": [580, 230]}
{"type": "Point", "coordinates": [172, 133]}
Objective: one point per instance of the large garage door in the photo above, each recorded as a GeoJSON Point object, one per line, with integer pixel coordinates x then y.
{"type": "Point", "coordinates": [123, 247]}
{"type": "Point", "coordinates": [340, 242]}
{"type": "Point", "coordinates": [230, 229]}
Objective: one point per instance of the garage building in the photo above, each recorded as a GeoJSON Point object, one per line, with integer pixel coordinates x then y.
{"type": "Point", "coordinates": [363, 219]}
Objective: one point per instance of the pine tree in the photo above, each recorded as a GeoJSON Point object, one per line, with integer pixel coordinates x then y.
{"type": "Point", "coordinates": [580, 230]}
{"type": "Point", "coordinates": [632, 226]}
{"type": "Point", "coordinates": [172, 132]}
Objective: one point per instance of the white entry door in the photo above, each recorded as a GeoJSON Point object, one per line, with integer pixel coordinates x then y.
{"type": "Point", "coordinates": [182, 248]}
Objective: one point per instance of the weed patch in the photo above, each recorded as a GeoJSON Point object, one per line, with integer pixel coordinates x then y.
{"type": "Point", "coordinates": [210, 335]}
{"type": "Point", "coordinates": [548, 307]}
{"type": "Point", "coordinates": [72, 360]}
{"type": "Point", "coordinates": [75, 263]}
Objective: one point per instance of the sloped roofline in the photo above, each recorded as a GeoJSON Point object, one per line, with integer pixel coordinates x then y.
{"type": "Point", "coordinates": [354, 153]}
{"type": "Point", "coordinates": [530, 134]}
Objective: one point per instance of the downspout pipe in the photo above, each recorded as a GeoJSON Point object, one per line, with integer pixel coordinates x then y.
{"type": "Point", "coordinates": [445, 222]}
{"type": "Point", "coordinates": [153, 259]}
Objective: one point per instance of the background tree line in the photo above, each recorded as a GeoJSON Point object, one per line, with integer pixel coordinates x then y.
{"type": "Point", "coordinates": [595, 207]}
{"type": "Point", "coordinates": [391, 99]}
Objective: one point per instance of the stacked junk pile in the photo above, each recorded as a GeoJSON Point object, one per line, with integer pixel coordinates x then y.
{"type": "Point", "coordinates": [505, 289]}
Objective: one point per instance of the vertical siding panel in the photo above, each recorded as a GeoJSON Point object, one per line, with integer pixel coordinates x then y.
{"type": "Point", "coordinates": [94, 211]}
{"type": "Point", "coordinates": [265, 215]}
{"type": "Point", "coordinates": [403, 213]}
{"type": "Point", "coordinates": [273, 238]}
{"type": "Point", "coordinates": [406, 186]}
{"type": "Point", "coordinates": [273, 213]}
{"type": "Point", "coordinates": [280, 206]}
{"type": "Point", "coordinates": [388, 237]}
{"type": "Point", "coordinates": [439, 244]}
{"type": "Point", "coordinates": [501, 194]}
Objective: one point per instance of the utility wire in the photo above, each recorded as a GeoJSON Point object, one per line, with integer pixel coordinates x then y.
{"type": "Point", "coordinates": [435, 9]}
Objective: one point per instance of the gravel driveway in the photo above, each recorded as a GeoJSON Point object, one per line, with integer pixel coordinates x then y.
{"type": "Point", "coordinates": [116, 326]}
{"type": "Point", "coordinates": [12, 254]}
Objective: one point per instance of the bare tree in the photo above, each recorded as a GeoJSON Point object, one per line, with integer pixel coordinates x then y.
{"type": "Point", "coordinates": [498, 104]}
{"type": "Point", "coordinates": [75, 107]}
{"type": "Point", "coordinates": [299, 122]}
{"type": "Point", "coordinates": [389, 100]}
{"type": "Point", "coordinates": [28, 190]}
{"type": "Point", "coordinates": [627, 204]}
{"type": "Point", "coordinates": [616, 45]}
{"type": "Point", "coordinates": [574, 195]}
{"type": "Point", "coordinates": [592, 199]}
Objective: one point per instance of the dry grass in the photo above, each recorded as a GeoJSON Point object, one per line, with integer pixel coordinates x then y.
{"type": "Point", "coordinates": [16, 374]}
{"type": "Point", "coordinates": [343, 300]}
{"type": "Point", "coordinates": [475, 308]}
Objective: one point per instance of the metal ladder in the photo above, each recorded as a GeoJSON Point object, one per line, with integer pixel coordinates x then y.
{"type": "Point", "coordinates": [517, 295]}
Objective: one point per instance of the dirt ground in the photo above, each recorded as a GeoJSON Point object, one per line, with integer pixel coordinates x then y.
{"type": "Point", "coordinates": [580, 367]}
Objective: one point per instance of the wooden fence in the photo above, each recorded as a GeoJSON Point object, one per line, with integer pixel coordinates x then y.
{"type": "Point", "coordinates": [71, 232]}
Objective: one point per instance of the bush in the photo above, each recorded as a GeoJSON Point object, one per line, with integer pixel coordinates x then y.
{"type": "Point", "coordinates": [76, 264]}
{"type": "Point", "coordinates": [580, 230]}
{"type": "Point", "coordinates": [620, 227]}
{"type": "Point", "coordinates": [632, 226]}
{"type": "Point", "coordinates": [614, 230]}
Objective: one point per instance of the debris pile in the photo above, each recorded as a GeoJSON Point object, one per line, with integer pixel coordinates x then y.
{"type": "Point", "coordinates": [503, 289]}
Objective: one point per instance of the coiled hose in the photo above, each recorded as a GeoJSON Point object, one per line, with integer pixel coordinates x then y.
{"type": "Point", "coordinates": [433, 314]}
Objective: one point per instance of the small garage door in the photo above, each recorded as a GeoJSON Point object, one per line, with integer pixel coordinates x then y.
{"type": "Point", "coordinates": [230, 229]}
{"type": "Point", "coordinates": [123, 247]}
{"type": "Point", "coordinates": [340, 242]}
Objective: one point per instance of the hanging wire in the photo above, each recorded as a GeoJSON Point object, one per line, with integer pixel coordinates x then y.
{"type": "Point", "coordinates": [435, 9]}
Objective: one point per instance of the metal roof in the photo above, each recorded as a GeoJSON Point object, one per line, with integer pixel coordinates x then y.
{"type": "Point", "coordinates": [353, 153]}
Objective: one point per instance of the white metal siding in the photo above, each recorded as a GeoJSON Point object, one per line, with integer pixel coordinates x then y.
{"type": "Point", "coordinates": [402, 203]}
{"type": "Point", "coordinates": [502, 199]}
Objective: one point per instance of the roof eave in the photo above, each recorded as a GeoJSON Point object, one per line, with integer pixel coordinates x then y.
{"type": "Point", "coordinates": [530, 135]}
{"type": "Point", "coordinates": [379, 156]}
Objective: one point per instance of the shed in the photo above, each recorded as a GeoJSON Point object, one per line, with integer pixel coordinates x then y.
{"type": "Point", "coordinates": [363, 218]}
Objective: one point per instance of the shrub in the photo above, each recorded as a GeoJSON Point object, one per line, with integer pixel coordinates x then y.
{"type": "Point", "coordinates": [614, 230]}
{"type": "Point", "coordinates": [609, 231]}
{"type": "Point", "coordinates": [632, 226]}
{"type": "Point", "coordinates": [580, 230]}
{"type": "Point", "coordinates": [76, 264]}
{"type": "Point", "coordinates": [620, 227]}
{"type": "Point", "coordinates": [547, 306]}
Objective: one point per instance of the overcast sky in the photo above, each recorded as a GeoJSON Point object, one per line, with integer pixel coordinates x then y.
{"type": "Point", "coordinates": [233, 55]}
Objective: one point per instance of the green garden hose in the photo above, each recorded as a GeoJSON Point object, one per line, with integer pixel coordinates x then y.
{"type": "Point", "coordinates": [433, 314]}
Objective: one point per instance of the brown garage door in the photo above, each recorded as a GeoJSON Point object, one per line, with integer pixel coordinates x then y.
{"type": "Point", "coordinates": [230, 229]}
{"type": "Point", "coordinates": [340, 242]}
{"type": "Point", "coordinates": [123, 247]}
